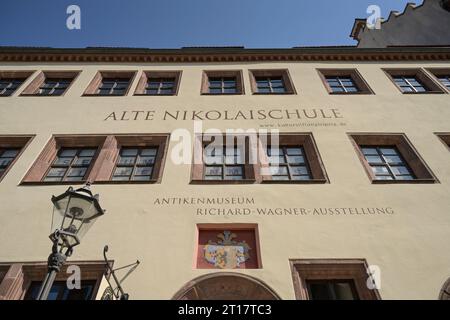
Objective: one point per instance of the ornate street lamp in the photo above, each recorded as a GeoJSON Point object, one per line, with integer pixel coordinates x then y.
{"type": "Point", "coordinates": [74, 212]}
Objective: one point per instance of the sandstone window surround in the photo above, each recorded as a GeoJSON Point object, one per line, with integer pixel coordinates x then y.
{"type": "Point", "coordinates": [17, 278]}
{"type": "Point", "coordinates": [158, 83]}
{"type": "Point", "coordinates": [200, 159]}
{"type": "Point", "coordinates": [51, 83]}
{"type": "Point", "coordinates": [442, 75]}
{"type": "Point", "coordinates": [255, 165]}
{"type": "Point", "coordinates": [222, 82]}
{"type": "Point", "coordinates": [413, 81]}
{"type": "Point", "coordinates": [11, 81]}
{"type": "Point", "coordinates": [420, 172]}
{"type": "Point", "coordinates": [271, 81]}
{"type": "Point", "coordinates": [310, 160]}
{"type": "Point", "coordinates": [353, 272]}
{"type": "Point", "coordinates": [110, 83]}
{"type": "Point", "coordinates": [11, 147]}
{"type": "Point", "coordinates": [240, 233]}
{"type": "Point", "coordinates": [103, 163]}
{"type": "Point", "coordinates": [344, 81]}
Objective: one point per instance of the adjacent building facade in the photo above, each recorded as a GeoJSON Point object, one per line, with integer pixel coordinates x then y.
{"type": "Point", "coordinates": [358, 184]}
{"type": "Point", "coordinates": [426, 24]}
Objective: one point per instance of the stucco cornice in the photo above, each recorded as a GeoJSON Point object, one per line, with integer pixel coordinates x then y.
{"type": "Point", "coordinates": [193, 55]}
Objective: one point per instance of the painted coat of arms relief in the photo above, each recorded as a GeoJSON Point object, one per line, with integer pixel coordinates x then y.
{"type": "Point", "coordinates": [226, 252]}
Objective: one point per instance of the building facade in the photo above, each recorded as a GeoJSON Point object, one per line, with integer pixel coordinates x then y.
{"type": "Point", "coordinates": [360, 185]}
{"type": "Point", "coordinates": [418, 25]}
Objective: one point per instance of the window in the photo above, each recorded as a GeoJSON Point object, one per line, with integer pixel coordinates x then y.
{"type": "Point", "coordinates": [271, 82]}
{"type": "Point", "coordinates": [160, 86]}
{"type": "Point", "coordinates": [332, 279]}
{"type": "Point", "coordinates": [110, 83]}
{"type": "Point", "coordinates": [224, 164]}
{"type": "Point", "coordinates": [9, 86]}
{"type": "Point", "coordinates": [391, 158]}
{"type": "Point", "coordinates": [341, 84]}
{"type": "Point", "coordinates": [53, 87]}
{"type": "Point", "coordinates": [70, 164]}
{"type": "Point", "coordinates": [135, 164]}
{"type": "Point", "coordinates": [445, 80]}
{"type": "Point", "coordinates": [295, 159]}
{"type": "Point", "coordinates": [222, 85]}
{"type": "Point", "coordinates": [51, 83]}
{"type": "Point", "coordinates": [332, 290]}
{"type": "Point", "coordinates": [22, 280]}
{"type": "Point", "coordinates": [344, 81]}
{"type": "Point", "coordinates": [10, 81]}
{"type": "Point", "coordinates": [100, 159]}
{"type": "Point", "coordinates": [227, 246]}
{"type": "Point", "coordinates": [270, 85]}
{"type": "Point", "coordinates": [222, 82]}
{"type": "Point", "coordinates": [113, 87]}
{"type": "Point", "coordinates": [387, 163]}
{"type": "Point", "coordinates": [442, 75]}
{"type": "Point", "coordinates": [158, 83]}
{"type": "Point", "coordinates": [413, 81]}
{"type": "Point", "coordinates": [10, 149]}
{"type": "Point", "coordinates": [409, 84]}
{"type": "Point", "coordinates": [288, 163]}
{"type": "Point", "coordinates": [7, 156]}
{"type": "Point", "coordinates": [60, 291]}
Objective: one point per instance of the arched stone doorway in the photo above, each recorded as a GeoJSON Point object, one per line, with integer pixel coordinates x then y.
{"type": "Point", "coordinates": [226, 286]}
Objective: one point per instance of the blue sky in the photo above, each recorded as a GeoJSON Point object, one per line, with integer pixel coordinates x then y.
{"type": "Point", "coordinates": [178, 23]}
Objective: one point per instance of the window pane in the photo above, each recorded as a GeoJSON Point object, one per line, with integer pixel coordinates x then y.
{"type": "Point", "coordinates": [4, 162]}
{"type": "Point", "coordinates": [129, 152]}
{"type": "Point", "coordinates": [82, 161]}
{"type": "Point", "coordinates": [299, 170]}
{"type": "Point", "coordinates": [388, 151]}
{"type": "Point", "coordinates": [213, 171]}
{"type": "Point", "coordinates": [68, 152]}
{"type": "Point", "coordinates": [398, 170]}
{"type": "Point", "coordinates": [233, 171]}
{"type": "Point", "coordinates": [374, 159]}
{"type": "Point", "coordinates": [215, 91]}
{"type": "Point", "coordinates": [230, 90]}
{"type": "Point", "coordinates": [56, 172]}
{"type": "Point", "coordinates": [141, 178]}
{"type": "Point", "coordinates": [294, 151]}
{"type": "Point", "coordinates": [63, 161]}
{"type": "Point", "coordinates": [127, 160]}
{"type": "Point", "coordinates": [87, 153]}
{"type": "Point", "coordinates": [280, 178]}
{"type": "Point", "coordinates": [369, 151]}
{"type": "Point", "coordinates": [123, 171]}
{"type": "Point", "coordinates": [213, 177]}
{"type": "Point", "coordinates": [149, 152]}
{"type": "Point", "coordinates": [296, 159]}
{"type": "Point", "coordinates": [121, 178]}
{"type": "Point", "coordinates": [278, 170]}
{"type": "Point", "coordinates": [393, 159]}
{"type": "Point", "coordinates": [380, 170]}
{"type": "Point", "coordinates": [143, 171]}
{"type": "Point", "coordinates": [337, 89]}
{"type": "Point", "coordinates": [77, 172]}
{"type": "Point", "coordinates": [264, 90]}
{"type": "Point", "coordinates": [405, 177]}
{"type": "Point", "coordinates": [11, 153]}
{"type": "Point", "coordinates": [279, 90]}
{"type": "Point", "coordinates": [146, 160]}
